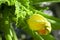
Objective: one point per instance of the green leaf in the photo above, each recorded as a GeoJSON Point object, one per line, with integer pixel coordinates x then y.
{"type": "Point", "coordinates": [48, 37]}
{"type": "Point", "coordinates": [38, 1]}
{"type": "Point", "coordinates": [0, 37]}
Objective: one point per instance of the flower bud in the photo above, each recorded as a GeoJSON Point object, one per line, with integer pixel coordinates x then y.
{"type": "Point", "coordinates": [39, 23]}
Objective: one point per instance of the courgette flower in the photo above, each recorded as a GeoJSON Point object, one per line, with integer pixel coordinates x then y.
{"type": "Point", "coordinates": [39, 23]}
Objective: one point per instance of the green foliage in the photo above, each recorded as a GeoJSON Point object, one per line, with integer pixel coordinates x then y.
{"type": "Point", "coordinates": [0, 37]}
{"type": "Point", "coordinates": [38, 1]}
{"type": "Point", "coordinates": [18, 11]}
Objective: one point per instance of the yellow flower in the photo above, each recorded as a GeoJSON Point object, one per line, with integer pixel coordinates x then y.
{"type": "Point", "coordinates": [38, 22]}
